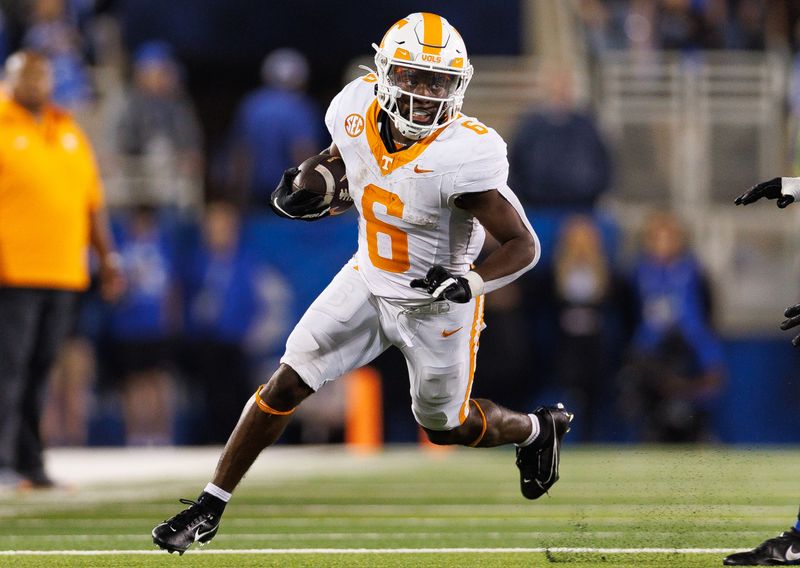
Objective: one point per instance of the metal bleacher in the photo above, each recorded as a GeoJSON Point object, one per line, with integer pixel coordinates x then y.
{"type": "Point", "coordinates": [502, 89]}
{"type": "Point", "coordinates": [691, 134]}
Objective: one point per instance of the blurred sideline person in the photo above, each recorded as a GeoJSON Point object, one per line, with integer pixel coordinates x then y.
{"type": "Point", "coordinates": [589, 300]}
{"type": "Point", "coordinates": [426, 182]}
{"type": "Point", "coordinates": [275, 127]}
{"type": "Point", "coordinates": [51, 207]}
{"type": "Point", "coordinates": [52, 33]}
{"type": "Point", "coordinates": [156, 132]}
{"type": "Point", "coordinates": [559, 157]}
{"type": "Point", "coordinates": [676, 366]}
{"type": "Point", "coordinates": [220, 304]}
{"type": "Point", "coordinates": [784, 549]}
{"type": "Point", "coordinates": [69, 406]}
{"type": "Point", "coordinates": [135, 351]}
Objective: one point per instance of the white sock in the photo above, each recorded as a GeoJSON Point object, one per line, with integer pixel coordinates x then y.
{"type": "Point", "coordinates": [217, 492]}
{"type": "Point", "coordinates": [534, 431]}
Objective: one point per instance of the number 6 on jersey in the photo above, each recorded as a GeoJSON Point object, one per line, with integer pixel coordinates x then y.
{"type": "Point", "coordinates": [398, 239]}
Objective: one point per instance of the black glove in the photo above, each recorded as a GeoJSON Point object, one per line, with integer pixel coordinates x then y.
{"type": "Point", "coordinates": [439, 283]}
{"type": "Point", "coordinates": [770, 189]}
{"type": "Point", "coordinates": [299, 204]}
{"type": "Point", "coordinates": [793, 318]}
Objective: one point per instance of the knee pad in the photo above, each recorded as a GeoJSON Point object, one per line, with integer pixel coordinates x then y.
{"type": "Point", "coordinates": [431, 419]}
{"type": "Point", "coordinates": [438, 398]}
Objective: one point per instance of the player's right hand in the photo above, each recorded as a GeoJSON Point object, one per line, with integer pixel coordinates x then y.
{"type": "Point", "coordinates": [440, 284]}
{"type": "Point", "coordinates": [300, 204]}
{"type": "Point", "coordinates": [772, 189]}
{"type": "Point", "coordinates": [792, 315]}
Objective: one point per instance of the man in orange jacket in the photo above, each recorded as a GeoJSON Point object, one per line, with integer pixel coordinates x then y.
{"type": "Point", "coordinates": [51, 211]}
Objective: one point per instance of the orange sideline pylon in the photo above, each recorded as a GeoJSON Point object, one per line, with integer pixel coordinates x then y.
{"type": "Point", "coordinates": [364, 411]}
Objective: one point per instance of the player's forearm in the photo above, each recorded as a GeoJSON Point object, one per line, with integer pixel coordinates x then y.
{"type": "Point", "coordinates": [508, 262]}
{"type": "Point", "coordinates": [100, 237]}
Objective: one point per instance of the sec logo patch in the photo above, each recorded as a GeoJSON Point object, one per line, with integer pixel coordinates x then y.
{"type": "Point", "coordinates": [354, 125]}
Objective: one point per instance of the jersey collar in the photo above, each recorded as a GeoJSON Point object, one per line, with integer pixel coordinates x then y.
{"type": "Point", "coordinates": [390, 161]}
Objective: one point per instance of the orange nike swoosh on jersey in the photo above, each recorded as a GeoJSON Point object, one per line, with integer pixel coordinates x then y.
{"type": "Point", "coordinates": [446, 333]}
{"type": "Point", "coordinates": [418, 170]}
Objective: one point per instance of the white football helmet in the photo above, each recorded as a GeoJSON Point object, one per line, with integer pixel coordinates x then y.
{"type": "Point", "coordinates": [422, 64]}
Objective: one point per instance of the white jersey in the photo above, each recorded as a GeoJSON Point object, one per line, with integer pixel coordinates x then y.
{"type": "Point", "coordinates": [408, 220]}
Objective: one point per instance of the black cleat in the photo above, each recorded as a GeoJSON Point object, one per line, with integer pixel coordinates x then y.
{"type": "Point", "coordinates": [783, 550]}
{"type": "Point", "coordinates": [538, 462]}
{"type": "Point", "coordinates": [198, 523]}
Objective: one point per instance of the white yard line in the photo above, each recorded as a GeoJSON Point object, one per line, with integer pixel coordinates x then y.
{"type": "Point", "coordinates": [6, 539]}
{"type": "Point", "coordinates": [268, 551]}
{"type": "Point", "coordinates": [373, 522]}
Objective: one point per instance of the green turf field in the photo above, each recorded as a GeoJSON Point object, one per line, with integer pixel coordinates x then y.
{"type": "Point", "coordinates": [624, 506]}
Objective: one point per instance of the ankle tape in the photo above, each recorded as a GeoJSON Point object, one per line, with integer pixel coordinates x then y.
{"type": "Point", "coordinates": [267, 408]}
{"type": "Point", "coordinates": [483, 427]}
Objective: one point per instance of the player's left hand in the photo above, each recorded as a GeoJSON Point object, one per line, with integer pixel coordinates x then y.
{"type": "Point", "coordinates": [439, 283]}
{"type": "Point", "coordinates": [792, 315]}
{"type": "Point", "coordinates": [772, 189]}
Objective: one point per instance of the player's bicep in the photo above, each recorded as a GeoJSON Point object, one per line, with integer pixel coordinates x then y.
{"type": "Point", "coordinates": [499, 217]}
{"type": "Point", "coordinates": [502, 215]}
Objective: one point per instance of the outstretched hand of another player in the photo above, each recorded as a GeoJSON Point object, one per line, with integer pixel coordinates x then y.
{"type": "Point", "coordinates": [792, 315]}
{"type": "Point", "coordinates": [784, 190]}
{"type": "Point", "coordinates": [772, 189]}
{"type": "Point", "coordinates": [440, 284]}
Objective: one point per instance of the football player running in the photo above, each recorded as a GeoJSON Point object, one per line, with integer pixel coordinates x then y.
{"type": "Point", "coordinates": [784, 549]}
{"type": "Point", "coordinates": [427, 182]}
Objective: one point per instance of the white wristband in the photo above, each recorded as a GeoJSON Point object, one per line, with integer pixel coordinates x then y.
{"type": "Point", "coordinates": [475, 283]}
{"type": "Point", "coordinates": [791, 186]}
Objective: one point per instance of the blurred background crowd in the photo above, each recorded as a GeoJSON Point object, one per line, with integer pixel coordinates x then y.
{"type": "Point", "coordinates": [631, 125]}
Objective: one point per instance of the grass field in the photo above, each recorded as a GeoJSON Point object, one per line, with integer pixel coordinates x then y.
{"type": "Point", "coordinates": [619, 506]}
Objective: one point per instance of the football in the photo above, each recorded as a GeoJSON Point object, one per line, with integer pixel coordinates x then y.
{"type": "Point", "coordinates": [325, 175]}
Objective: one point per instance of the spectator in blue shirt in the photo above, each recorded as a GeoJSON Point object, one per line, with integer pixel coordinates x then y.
{"type": "Point", "coordinates": [676, 367]}
{"type": "Point", "coordinates": [219, 307]}
{"type": "Point", "coordinates": [53, 34]}
{"type": "Point", "coordinates": [276, 127]}
{"type": "Point", "coordinates": [136, 345]}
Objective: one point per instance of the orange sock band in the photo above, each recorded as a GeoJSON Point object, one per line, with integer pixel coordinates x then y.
{"type": "Point", "coordinates": [483, 418]}
{"type": "Point", "coordinates": [267, 408]}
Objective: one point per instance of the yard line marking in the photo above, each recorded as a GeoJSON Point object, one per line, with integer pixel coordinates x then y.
{"type": "Point", "coordinates": [376, 551]}
{"type": "Point", "coordinates": [337, 520]}
{"type": "Point", "coordinates": [388, 535]}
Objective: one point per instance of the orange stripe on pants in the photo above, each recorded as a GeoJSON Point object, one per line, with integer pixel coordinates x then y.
{"type": "Point", "coordinates": [474, 337]}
